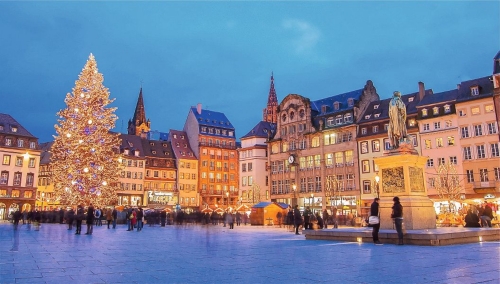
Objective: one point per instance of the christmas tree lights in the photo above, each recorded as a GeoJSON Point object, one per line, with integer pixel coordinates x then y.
{"type": "Point", "coordinates": [85, 154]}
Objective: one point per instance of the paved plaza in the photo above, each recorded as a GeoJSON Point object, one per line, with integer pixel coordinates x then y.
{"type": "Point", "coordinates": [214, 254]}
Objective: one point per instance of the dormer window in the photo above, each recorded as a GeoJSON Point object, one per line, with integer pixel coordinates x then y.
{"type": "Point", "coordinates": [447, 109]}
{"type": "Point", "coordinates": [151, 143]}
{"type": "Point", "coordinates": [410, 99]}
{"type": "Point", "coordinates": [126, 151]}
{"type": "Point", "coordinates": [177, 144]}
{"type": "Point", "coordinates": [182, 136]}
{"type": "Point", "coordinates": [375, 106]}
{"type": "Point", "coordinates": [424, 112]}
{"type": "Point", "coordinates": [324, 109]}
{"type": "Point", "coordinates": [164, 144]}
{"type": "Point", "coordinates": [368, 116]}
{"type": "Point", "coordinates": [350, 102]}
{"type": "Point", "coordinates": [348, 117]}
{"type": "Point", "coordinates": [13, 128]}
{"type": "Point", "coordinates": [375, 129]}
{"type": "Point", "coordinates": [435, 110]}
{"type": "Point", "coordinates": [175, 135]}
{"type": "Point", "coordinates": [336, 105]}
{"type": "Point", "coordinates": [474, 90]}
{"type": "Point", "coordinates": [377, 115]}
{"type": "Point", "coordinates": [154, 152]}
{"type": "Point", "coordinates": [165, 153]}
{"type": "Point", "coordinates": [363, 131]}
{"type": "Point", "coordinates": [137, 153]}
{"type": "Point", "coordinates": [338, 119]}
{"type": "Point", "coordinates": [411, 122]}
{"type": "Point", "coordinates": [1, 127]}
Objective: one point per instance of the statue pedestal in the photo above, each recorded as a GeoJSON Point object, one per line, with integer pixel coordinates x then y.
{"type": "Point", "coordinates": [402, 174]}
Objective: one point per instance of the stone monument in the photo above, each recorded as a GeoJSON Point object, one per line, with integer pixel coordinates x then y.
{"type": "Point", "coordinates": [402, 175]}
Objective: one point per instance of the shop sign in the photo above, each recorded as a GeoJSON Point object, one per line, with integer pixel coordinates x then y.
{"type": "Point", "coordinates": [489, 196]}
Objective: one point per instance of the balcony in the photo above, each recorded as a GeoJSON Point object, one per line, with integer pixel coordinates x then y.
{"type": "Point", "coordinates": [486, 186]}
{"type": "Point", "coordinates": [230, 147]}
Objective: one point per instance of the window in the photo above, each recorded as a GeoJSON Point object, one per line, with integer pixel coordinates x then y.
{"type": "Point", "coordinates": [424, 112]}
{"type": "Point", "coordinates": [364, 147]}
{"type": "Point", "coordinates": [365, 166]}
{"type": "Point", "coordinates": [28, 194]}
{"type": "Point", "coordinates": [483, 175]}
{"type": "Point", "coordinates": [6, 160]}
{"type": "Point", "coordinates": [338, 119]}
{"type": "Point", "coordinates": [462, 112]}
{"type": "Point", "coordinates": [494, 150]}
{"type": "Point", "coordinates": [441, 161]}
{"type": "Point", "coordinates": [492, 128]}
{"type": "Point", "coordinates": [387, 144]}
{"type": "Point", "coordinates": [375, 106]}
{"type": "Point", "coordinates": [437, 125]}
{"type": "Point", "coordinates": [315, 142]}
{"type": "Point", "coordinates": [244, 181]}
{"type": "Point", "coordinates": [32, 145]}
{"type": "Point", "coordinates": [375, 129]}
{"type": "Point", "coordinates": [497, 173]}
{"type": "Point", "coordinates": [411, 122]}
{"type": "Point", "coordinates": [426, 127]}
{"type": "Point", "coordinates": [17, 178]}
{"type": "Point", "coordinates": [481, 154]}
{"type": "Point", "coordinates": [243, 167]}
{"type": "Point", "coordinates": [249, 167]}
{"type": "Point", "coordinates": [475, 110]}
{"type": "Point", "coordinates": [348, 117]}
{"type": "Point", "coordinates": [439, 142]}
{"type": "Point", "coordinates": [464, 131]}
{"type": "Point", "coordinates": [453, 160]}
{"type": "Point", "coordinates": [432, 182]}
{"type": "Point", "coordinates": [8, 142]}
{"type": "Point", "coordinates": [474, 90]}
{"type": "Point", "coordinates": [410, 99]}
{"type": "Point", "coordinates": [430, 163]}
{"type": "Point", "coordinates": [375, 146]}
{"type": "Point", "coordinates": [336, 105]}
{"type": "Point", "coordinates": [15, 193]}
{"type": "Point", "coordinates": [447, 109]}
{"type": "Point", "coordinates": [488, 108]}
{"type": "Point", "coordinates": [329, 159]}
{"type": "Point", "coordinates": [427, 143]}
{"type": "Point", "coordinates": [470, 175]}
{"type": "Point", "coordinates": [317, 161]}
{"type": "Point", "coordinates": [363, 131]}
{"type": "Point", "coordinates": [31, 163]}
{"type": "Point", "coordinates": [20, 143]}
{"type": "Point", "coordinates": [451, 140]}
{"type": "Point", "coordinates": [435, 110]}
{"type": "Point", "coordinates": [19, 161]}
{"type": "Point", "coordinates": [414, 140]}
{"type": "Point", "coordinates": [4, 177]}
{"type": "Point", "coordinates": [448, 124]}
{"type": "Point", "coordinates": [367, 187]}
{"type": "Point", "coordinates": [478, 130]}
{"type": "Point", "coordinates": [386, 126]}
{"type": "Point", "coordinates": [349, 157]}
{"type": "Point", "coordinates": [467, 153]}
{"type": "Point", "coordinates": [29, 179]}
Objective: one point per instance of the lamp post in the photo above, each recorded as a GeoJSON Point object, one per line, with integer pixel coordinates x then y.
{"type": "Point", "coordinates": [43, 195]}
{"type": "Point", "coordinates": [377, 192]}
{"type": "Point", "coordinates": [311, 200]}
{"type": "Point", "coordinates": [294, 188]}
{"type": "Point", "coordinates": [227, 195]}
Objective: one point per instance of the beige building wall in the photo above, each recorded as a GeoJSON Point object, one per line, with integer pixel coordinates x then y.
{"type": "Point", "coordinates": [253, 183]}
{"type": "Point", "coordinates": [187, 182]}
{"type": "Point", "coordinates": [131, 191]}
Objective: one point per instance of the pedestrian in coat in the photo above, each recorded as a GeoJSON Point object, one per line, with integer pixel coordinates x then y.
{"type": "Point", "coordinates": [140, 215]}
{"type": "Point", "coordinates": [133, 220]}
{"type": "Point", "coordinates": [109, 216]}
{"type": "Point", "coordinates": [374, 211]}
{"type": "Point", "coordinates": [297, 219]}
{"type": "Point", "coordinates": [114, 213]}
{"type": "Point", "coordinates": [397, 215]}
{"type": "Point", "coordinates": [80, 215]}
{"type": "Point", "coordinates": [70, 217]}
{"type": "Point", "coordinates": [90, 219]}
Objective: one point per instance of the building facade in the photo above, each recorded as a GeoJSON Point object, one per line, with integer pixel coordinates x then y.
{"type": "Point", "coordinates": [212, 138]}
{"type": "Point", "coordinates": [187, 170]}
{"type": "Point", "coordinates": [313, 156]}
{"type": "Point", "coordinates": [20, 155]}
{"type": "Point", "coordinates": [131, 190]}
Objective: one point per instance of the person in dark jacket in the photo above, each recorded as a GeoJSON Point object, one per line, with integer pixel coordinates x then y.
{"type": "Point", "coordinates": [80, 215]}
{"type": "Point", "coordinates": [472, 220]}
{"type": "Point", "coordinates": [16, 217]}
{"type": "Point", "coordinates": [163, 217]}
{"type": "Point", "coordinates": [320, 221]}
{"type": "Point", "coordinates": [115, 216]}
{"type": "Point", "coordinates": [487, 215]}
{"type": "Point", "coordinates": [397, 215]}
{"type": "Point", "coordinates": [140, 214]}
{"type": "Point", "coordinates": [70, 217]}
{"type": "Point", "coordinates": [297, 219]}
{"type": "Point", "coordinates": [374, 211]}
{"type": "Point", "coordinates": [90, 219]}
{"type": "Point", "coordinates": [307, 218]}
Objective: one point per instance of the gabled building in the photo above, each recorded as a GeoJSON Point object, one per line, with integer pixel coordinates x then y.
{"type": "Point", "coordinates": [45, 186]}
{"type": "Point", "coordinates": [131, 192]}
{"type": "Point", "coordinates": [372, 139]}
{"type": "Point", "coordinates": [313, 156]}
{"type": "Point", "coordinates": [161, 172]}
{"type": "Point", "coordinates": [438, 123]}
{"type": "Point", "coordinates": [187, 170]}
{"type": "Point", "coordinates": [20, 156]}
{"type": "Point", "coordinates": [212, 138]}
{"type": "Point", "coordinates": [479, 138]}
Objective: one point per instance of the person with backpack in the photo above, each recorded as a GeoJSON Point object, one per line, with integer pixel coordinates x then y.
{"type": "Point", "coordinates": [97, 216]}
{"type": "Point", "coordinates": [80, 215]}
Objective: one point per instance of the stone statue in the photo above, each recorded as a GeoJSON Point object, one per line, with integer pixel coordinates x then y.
{"type": "Point", "coordinates": [397, 120]}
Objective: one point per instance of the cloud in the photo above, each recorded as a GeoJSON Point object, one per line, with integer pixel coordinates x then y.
{"type": "Point", "coordinates": [307, 35]}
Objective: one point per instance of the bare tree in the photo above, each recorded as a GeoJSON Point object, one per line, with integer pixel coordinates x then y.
{"type": "Point", "coordinates": [448, 184]}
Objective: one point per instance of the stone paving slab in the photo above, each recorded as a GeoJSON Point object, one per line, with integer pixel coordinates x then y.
{"type": "Point", "coordinates": [214, 254]}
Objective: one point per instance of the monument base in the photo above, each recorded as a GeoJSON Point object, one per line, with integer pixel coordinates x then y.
{"type": "Point", "coordinates": [418, 213]}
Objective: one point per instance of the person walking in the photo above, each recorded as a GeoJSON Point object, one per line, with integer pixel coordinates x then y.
{"type": "Point", "coordinates": [307, 218]}
{"type": "Point", "coordinates": [133, 220]}
{"type": "Point", "coordinates": [374, 220]}
{"type": "Point", "coordinates": [114, 213]}
{"type": "Point", "coordinates": [16, 217]}
{"type": "Point", "coordinates": [140, 215]}
{"type": "Point", "coordinates": [90, 219]}
{"type": "Point", "coordinates": [238, 218]}
{"type": "Point", "coordinates": [334, 217]}
{"type": "Point", "coordinates": [397, 215]}
{"type": "Point", "coordinates": [297, 219]}
{"type": "Point", "coordinates": [325, 218]}
{"type": "Point", "coordinates": [230, 220]}
{"type": "Point", "coordinates": [109, 216]}
{"type": "Point", "coordinates": [80, 215]}
{"type": "Point", "coordinates": [70, 217]}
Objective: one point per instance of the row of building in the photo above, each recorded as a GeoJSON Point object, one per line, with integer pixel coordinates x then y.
{"type": "Point", "coordinates": [317, 153]}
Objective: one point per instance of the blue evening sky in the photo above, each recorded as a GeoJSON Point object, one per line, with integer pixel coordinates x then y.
{"type": "Point", "coordinates": [221, 54]}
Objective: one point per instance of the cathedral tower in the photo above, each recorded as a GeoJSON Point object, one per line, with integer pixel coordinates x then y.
{"type": "Point", "coordinates": [271, 111]}
{"type": "Point", "coordinates": [139, 125]}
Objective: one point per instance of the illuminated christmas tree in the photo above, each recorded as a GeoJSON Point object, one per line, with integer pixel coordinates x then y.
{"type": "Point", "coordinates": [85, 153]}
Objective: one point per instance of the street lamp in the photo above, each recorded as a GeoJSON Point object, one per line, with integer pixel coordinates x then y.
{"type": "Point", "coordinates": [311, 200]}
{"type": "Point", "coordinates": [227, 195]}
{"type": "Point", "coordinates": [43, 195]}
{"type": "Point", "coordinates": [377, 192]}
{"type": "Point", "coordinates": [294, 188]}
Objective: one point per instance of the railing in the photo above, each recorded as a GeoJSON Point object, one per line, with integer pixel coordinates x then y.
{"type": "Point", "coordinates": [484, 184]}
{"type": "Point", "coordinates": [230, 147]}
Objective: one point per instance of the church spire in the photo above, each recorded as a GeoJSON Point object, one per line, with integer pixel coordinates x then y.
{"type": "Point", "coordinates": [139, 124]}
{"type": "Point", "coordinates": [271, 111]}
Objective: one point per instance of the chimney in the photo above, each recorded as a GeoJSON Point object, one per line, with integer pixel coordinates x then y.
{"type": "Point", "coordinates": [198, 108]}
{"type": "Point", "coordinates": [421, 91]}
{"type": "Point", "coordinates": [458, 86]}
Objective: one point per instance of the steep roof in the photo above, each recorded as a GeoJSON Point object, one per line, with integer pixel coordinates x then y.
{"type": "Point", "coordinates": [437, 98]}
{"type": "Point", "coordinates": [342, 99]}
{"type": "Point", "coordinates": [212, 118]}
{"type": "Point", "coordinates": [132, 143]}
{"type": "Point", "coordinates": [45, 155]}
{"type": "Point", "coordinates": [10, 126]}
{"type": "Point", "coordinates": [485, 85]}
{"type": "Point", "coordinates": [158, 149]}
{"type": "Point", "coordinates": [140, 113]}
{"type": "Point", "coordinates": [180, 145]}
{"type": "Point", "coordinates": [263, 129]}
